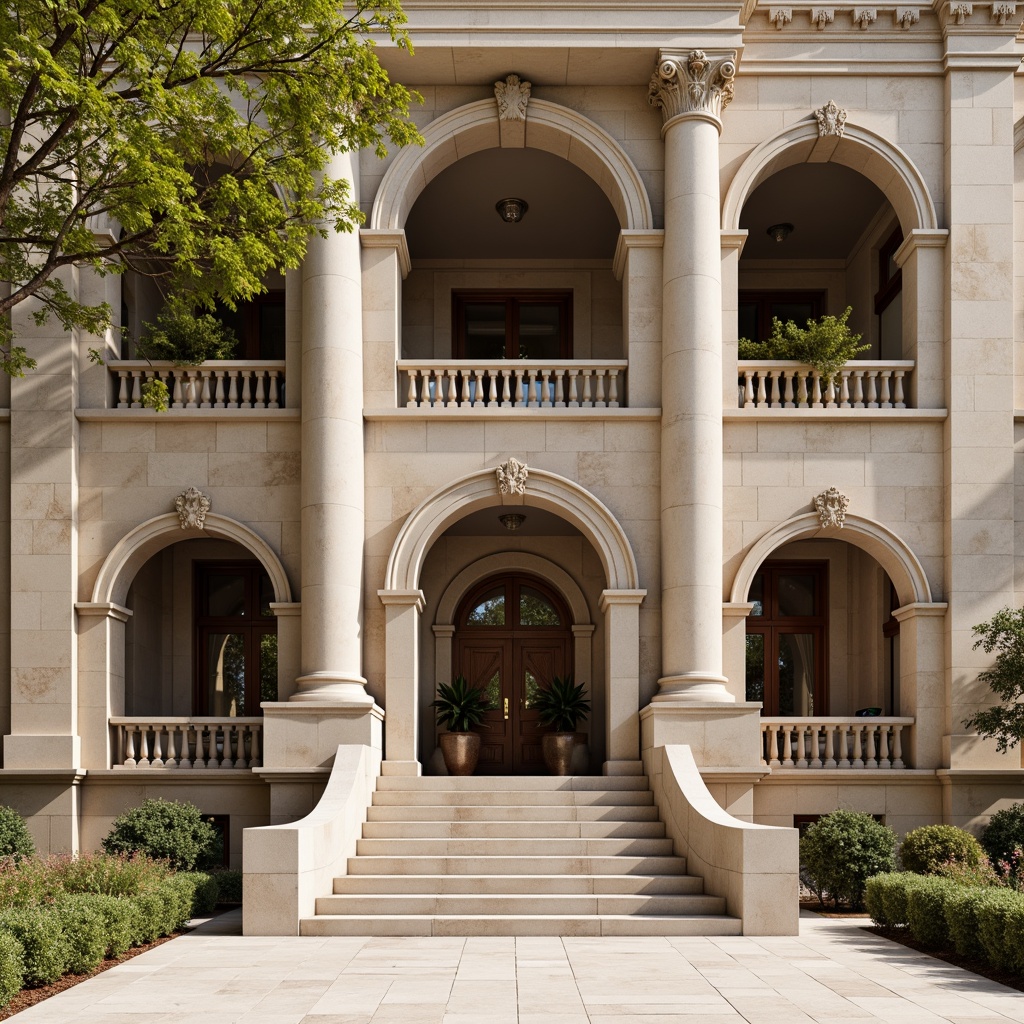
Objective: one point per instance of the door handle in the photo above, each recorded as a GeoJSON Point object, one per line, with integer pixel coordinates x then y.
{"type": "Point", "coordinates": [506, 707]}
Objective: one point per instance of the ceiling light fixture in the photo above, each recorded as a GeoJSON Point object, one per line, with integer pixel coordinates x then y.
{"type": "Point", "coordinates": [780, 232]}
{"type": "Point", "coordinates": [511, 210]}
{"type": "Point", "coordinates": [512, 521]}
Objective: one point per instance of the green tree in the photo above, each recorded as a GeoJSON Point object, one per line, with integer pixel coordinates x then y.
{"type": "Point", "coordinates": [197, 128]}
{"type": "Point", "coordinates": [1004, 634]}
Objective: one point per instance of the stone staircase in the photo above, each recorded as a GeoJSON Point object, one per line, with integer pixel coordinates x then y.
{"type": "Point", "coordinates": [520, 855]}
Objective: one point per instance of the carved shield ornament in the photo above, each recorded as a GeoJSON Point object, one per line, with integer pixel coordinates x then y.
{"type": "Point", "coordinates": [512, 477]}
{"type": "Point", "coordinates": [831, 507]}
{"type": "Point", "coordinates": [192, 506]}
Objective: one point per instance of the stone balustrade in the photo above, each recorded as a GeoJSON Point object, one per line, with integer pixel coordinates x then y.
{"type": "Point", "coordinates": [786, 384]}
{"type": "Point", "coordinates": [194, 743]}
{"type": "Point", "coordinates": [858, 742]}
{"type": "Point", "coordinates": [220, 384]}
{"type": "Point", "coordinates": [508, 383]}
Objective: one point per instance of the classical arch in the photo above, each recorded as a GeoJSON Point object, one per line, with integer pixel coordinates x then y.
{"type": "Point", "coordinates": [549, 127]}
{"type": "Point", "coordinates": [480, 490]}
{"type": "Point", "coordinates": [139, 545]}
{"type": "Point", "coordinates": [859, 148]}
{"type": "Point", "coordinates": [891, 553]}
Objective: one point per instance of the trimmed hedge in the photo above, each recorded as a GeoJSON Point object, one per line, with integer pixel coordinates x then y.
{"type": "Point", "coordinates": [15, 838]}
{"type": "Point", "coordinates": [886, 897]}
{"type": "Point", "coordinates": [12, 967]}
{"type": "Point", "coordinates": [842, 850]}
{"type": "Point", "coordinates": [44, 944]}
{"type": "Point", "coordinates": [961, 912]}
{"type": "Point", "coordinates": [926, 903]}
{"type": "Point", "coordinates": [927, 849]}
{"type": "Point", "coordinates": [84, 931]}
{"type": "Point", "coordinates": [229, 886]}
{"type": "Point", "coordinates": [207, 892]}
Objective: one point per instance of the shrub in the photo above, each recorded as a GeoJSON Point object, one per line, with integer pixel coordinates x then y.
{"type": "Point", "coordinates": [183, 889]}
{"type": "Point", "coordinates": [110, 874]}
{"type": "Point", "coordinates": [15, 838]}
{"type": "Point", "coordinates": [206, 892]}
{"type": "Point", "coordinates": [1013, 937]}
{"type": "Point", "coordinates": [961, 912]}
{"type": "Point", "coordinates": [928, 848]}
{"type": "Point", "coordinates": [155, 909]}
{"type": "Point", "coordinates": [926, 901]}
{"type": "Point", "coordinates": [1003, 836]}
{"type": "Point", "coordinates": [994, 912]}
{"type": "Point", "coordinates": [120, 922]}
{"type": "Point", "coordinates": [44, 945]}
{"type": "Point", "coordinates": [167, 830]}
{"type": "Point", "coordinates": [885, 897]}
{"type": "Point", "coordinates": [84, 931]}
{"type": "Point", "coordinates": [12, 967]}
{"type": "Point", "coordinates": [842, 850]}
{"type": "Point", "coordinates": [229, 886]}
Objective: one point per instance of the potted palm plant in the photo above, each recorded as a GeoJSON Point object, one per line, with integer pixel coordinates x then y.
{"type": "Point", "coordinates": [562, 705]}
{"type": "Point", "coordinates": [460, 709]}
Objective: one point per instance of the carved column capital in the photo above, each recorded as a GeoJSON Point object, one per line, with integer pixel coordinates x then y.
{"type": "Point", "coordinates": [693, 85]}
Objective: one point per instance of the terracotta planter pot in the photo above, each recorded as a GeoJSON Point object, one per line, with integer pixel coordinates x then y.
{"type": "Point", "coordinates": [461, 751]}
{"type": "Point", "coordinates": [557, 750]}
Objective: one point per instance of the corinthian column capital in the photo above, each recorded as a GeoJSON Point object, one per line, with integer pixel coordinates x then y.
{"type": "Point", "coordinates": [693, 84]}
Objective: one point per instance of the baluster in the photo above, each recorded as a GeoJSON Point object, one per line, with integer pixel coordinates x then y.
{"type": "Point", "coordinates": [763, 377]}
{"type": "Point", "coordinates": [122, 391]}
{"type": "Point", "coordinates": [137, 378]}
{"type": "Point", "coordinates": [587, 402]}
{"type": "Point", "coordinates": [129, 753]}
{"type": "Point", "coordinates": [260, 402]}
{"type": "Point", "coordinates": [817, 741]}
{"type": "Point", "coordinates": [274, 402]}
{"type": "Point", "coordinates": [883, 747]}
{"type": "Point", "coordinates": [830, 754]}
{"type": "Point", "coordinates": [790, 404]}
{"type": "Point", "coordinates": [176, 399]}
{"type": "Point", "coordinates": [844, 389]}
{"type": "Point", "coordinates": [522, 387]}
{"type": "Point", "coordinates": [844, 746]}
{"type": "Point", "coordinates": [158, 752]}
{"type": "Point", "coordinates": [227, 753]}
{"type": "Point", "coordinates": [765, 753]}
{"type": "Point", "coordinates": [506, 392]}
{"type": "Point", "coordinates": [212, 757]}
{"type": "Point", "coordinates": [544, 376]}
{"type": "Point", "coordinates": [883, 395]}
{"type": "Point", "coordinates": [773, 745]}
{"type": "Point", "coordinates": [247, 384]}
{"type": "Point", "coordinates": [801, 746]}
{"type": "Point", "coordinates": [186, 746]}
{"type": "Point", "coordinates": [256, 756]}
{"type": "Point", "coordinates": [475, 389]}
{"type": "Point", "coordinates": [232, 389]}
{"type": "Point", "coordinates": [240, 761]}
{"type": "Point", "coordinates": [410, 394]}
{"type": "Point", "coordinates": [218, 389]}
{"type": "Point", "coordinates": [599, 400]}
{"type": "Point", "coordinates": [871, 400]}
{"type": "Point", "coordinates": [897, 747]}
{"type": "Point", "coordinates": [574, 400]}
{"type": "Point", "coordinates": [144, 745]}
{"type": "Point", "coordinates": [815, 395]}
{"type": "Point", "coordinates": [171, 761]}
{"type": "Point", "coordinates": [440, 389]}
{"type": "Point", "coordinates": [801, 390]}
{"type": "Point", "coordinates": [870, 758]}
{"type": "Point", "coordinates": [613, 388]}
{"type": "Point", "coordinates": [201, 742]}
{"type": "Point", "coordinates": [858, 389]}
{"type": "Point", "coordinates": [206, 397]}
{"type": "Point", "coordinates": [787, 746]}
{"type": "Point", "coordinates": [898, 401]}
{"type": "Point", "coordinates": [858, 748]}
{"type": "Point", "coordinates": [747, 393]}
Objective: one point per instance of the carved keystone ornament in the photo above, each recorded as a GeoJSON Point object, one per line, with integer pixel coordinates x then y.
{"type": "Point", "coordinates": [512, 477]}
{"type": "Point", "coordinates": [831, 507]}
{"type": "Point", "coordinates": [831, 119]}
{"type": "Point", "coordinates": [512, 95]}
{"type": "Point", "coordinates": [192, 506]}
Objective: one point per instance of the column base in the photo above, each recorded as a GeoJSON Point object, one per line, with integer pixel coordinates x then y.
{"type": "Point", "coordinates": [307, 735]}
{"type": "Point", "coordinates": [332, 688]}
{"type": "Point", "coordinates": [693, 688]}
{"type": "Point", "coordinates": [719, 735]}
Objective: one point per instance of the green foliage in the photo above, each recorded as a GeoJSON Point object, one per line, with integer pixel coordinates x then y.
{"type": "Point", "coordinates": [166, 830]}
{"type": "Point", "coordinates": [961, 912]}
{"type": "Point", "coordinates": [842, 850]}
{"type": "Point", "coordinates": [927, 849]}
{"type": "Point", "coordinates": [12, 967]}
{"type": "Point", "coordinates": [926, 911]}
{"type": "Point", "coordinates": [204, 156]}
{"type": "Point", "coordinates": [1004, 634]}
{"type": "Point", "coordinates": [229, 886]}
{"type": "Point", "coordinates": [886, 898]}
{"type": "Point", "coordinates": [85, 931]}
{"type": "Point", "coordinates": [44, 945]}
{"type": "Point", "coordinates": [460, 707]}
{"type": "Point", "coordinates": [186, 338]}
{"type": "Point", "coordinates": [827, 344]}
{"type": "Point", "coordinates": [1003, 838]}
{"type": "Point", "coordinates": [110, 874]}
{"type": "Point", "coordinates": [998, 909]}
{"type": "Point", "coordinates": [15, 838]}
{"type": "Point", "coordinates": [120, 920]}
{"type": "Point", "coordinates": [206, 892]}
{"type": "Point", "coordinates": [157, 910]}
{"type": "Point", "coordinates": [562, 704]}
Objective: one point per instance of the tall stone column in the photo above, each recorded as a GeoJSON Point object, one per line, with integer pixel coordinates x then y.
{"type": "Point", "coordinates": [332, 512]}
{"type": "Point", "coordinates": [691, 90]}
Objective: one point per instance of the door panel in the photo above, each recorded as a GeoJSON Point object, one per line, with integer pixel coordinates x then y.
{"type": "Point", "coordinates": [536, 663]}
{"type": "Point", "coordinates": [487, 663]}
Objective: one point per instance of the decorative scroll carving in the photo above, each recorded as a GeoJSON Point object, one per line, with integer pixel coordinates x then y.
{"type": "Point", "coordinates": [831, 119]}
{"type": "Point", "coordinates": [1002, 11]}
{"type": "Point", "coordinates": [512, 477]}
{"type": "Point", "coordinates": [864, 16]}
{"type": "Point", "coordinates": [960, 11]}
{"type": "Point", "coordinates": [512, 95]}
{"type": "Point", "coordinates": [822, 16]}
{"type": "Point", "coordinates": [831, 507]}
{"type": "Point", "coordinates": [693, 84]}
{"type": "Point", "coordinates": [192, 506]}
{"type": "Point", "coordinates": [780, 16]}
{"type": "Point", "coordinates": [906, 16]}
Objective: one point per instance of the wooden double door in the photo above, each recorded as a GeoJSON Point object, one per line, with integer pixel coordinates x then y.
{"type": "Point", "coordinates": [513, 636]}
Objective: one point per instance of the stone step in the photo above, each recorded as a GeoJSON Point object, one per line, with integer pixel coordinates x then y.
{"type": "Point", "coordinates": [529, 812]}
{"type": "Point", "coordinates": [511, 783]}
{"type": "Point", "coordinates": [392, 864]}
{"type": "Point", "coordinates": [514, 798]}
{"type": "Point", "coordinates": [540, 924]}
{"type": "Point", "coordinates": [454, 884]}
{"type": "Point", "coordinates": [509, 847]}
{"type": "Point", "coordinates": [516, 904]}
{"type": "Point", "coordinates": [520, 830]}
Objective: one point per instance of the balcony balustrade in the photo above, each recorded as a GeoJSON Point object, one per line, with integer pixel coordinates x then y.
{"type": "Point", "coordinates": [224, 384]}
{"type": "Point", "coordinates": [511, 384]}
{"type": "Point", "coordinates": [861, 384]}
{"type": "Point", "coordinates": [189, 743]}
{"type": "Point", "coordinates": [854, 743]}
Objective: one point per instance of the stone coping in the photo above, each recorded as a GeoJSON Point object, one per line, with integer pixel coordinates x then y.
{"type": "Point", "coordinates": [209, 415]}
{"type": "Point", "coordinates": [817, 415]}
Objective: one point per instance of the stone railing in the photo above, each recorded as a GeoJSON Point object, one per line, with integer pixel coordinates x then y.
{"type": "Point", "coordinates": [221, 384]}
{"type": "Point", "coordinates": [507, 384]}
{"type": "Point", "coordinates": [859, 742]}
{"type": "Point", "coordinates": [785, 384]}
{"type": "Point", "coordinates": [194, 743]}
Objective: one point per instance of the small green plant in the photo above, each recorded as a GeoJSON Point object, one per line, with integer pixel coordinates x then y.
{"type": "Point", "coordinates": [12, 967]}
{"type": "Point", "coordinates": [1003, 838]}
{"type": "Point", "coordinates": [15, 838]}
{"type": "Point", "coordinates": [461, 707]}
{"type": "Point", "coordinates": [562, 704]}
{"type": "Point", "coordinates": [166, 830]}
{"type": "Point", "coordinates": [928, 849]}
{"type": "Point", "coordinates": [842, 850]}
{"type": "Point", "coordinates": [827, 344]}
{"type": "Point", "coordinates": [186, 338]}
{"type": "Point", "coordinates": [1004, 634]}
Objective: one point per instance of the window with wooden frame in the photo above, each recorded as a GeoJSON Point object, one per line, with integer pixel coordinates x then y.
{"type": "Point", "coordinates": [235, 644]}
{"type": "Point", "coordinates": [889, 298]}
{"type": "Point", "coordinates": [787, 639]}
{"type": "Point", "coordinates": [758, 308]}
{"type": "Point", "coordinates": [258, 324]}
{"type": "Point", "coordinates": [511, 324]}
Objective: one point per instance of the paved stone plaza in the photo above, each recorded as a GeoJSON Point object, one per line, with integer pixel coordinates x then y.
{"type": "Point", "coordinates": [834, 973]}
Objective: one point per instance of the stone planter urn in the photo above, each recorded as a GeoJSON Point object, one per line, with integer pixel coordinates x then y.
{"type": "Point", "coordinates": [557, 748]}
{"type": "Point", "coordinates": [461, 751]}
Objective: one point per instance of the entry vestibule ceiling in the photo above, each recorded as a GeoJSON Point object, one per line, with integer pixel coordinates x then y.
{"type": "Point", "coordinates": [828, 204]}
{"type": "Point", "coordinates": [569, 217]}
{"type": "Point", "coordinates": [538, 523]}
